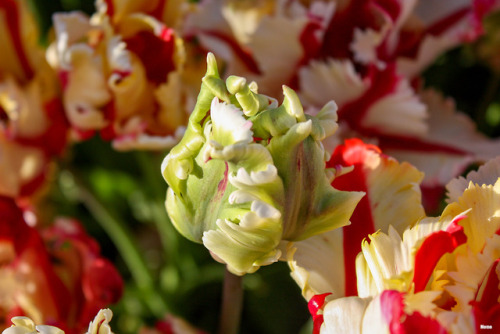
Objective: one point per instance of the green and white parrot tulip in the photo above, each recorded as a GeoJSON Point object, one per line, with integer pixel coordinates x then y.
{"type": "Point", "coordinates": [249, 173]}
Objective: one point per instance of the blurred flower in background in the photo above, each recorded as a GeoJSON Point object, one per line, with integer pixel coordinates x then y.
{"type": "Point", "coordinates": [22, 324]}
{"type": "Point", "coordinates": [121, 72]}
{"type": "Point", "coordinates": [33, 128]}
{"type": "Point", "coordinates": [55, 276]}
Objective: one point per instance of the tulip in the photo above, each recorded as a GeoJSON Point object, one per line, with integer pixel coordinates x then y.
{"type": "Point", "coordinates": [56, 275]}
{"type": "Point", "coordinates": [100, 324]}
{"type": "Point", "coordinates": [24, 325]}
{"type": "Point", "coordinates": [442, 271]}
{"type": "Point", "coordinates": [113, 83]}
{"type": "Point", "coordinates": [33, 128]}
{"type": "Point", "coordinates": [249, 173]}
{"type": "Point", "coordinates": [385, 313]}
{"type": "Point", "coordinates": [392, 199]}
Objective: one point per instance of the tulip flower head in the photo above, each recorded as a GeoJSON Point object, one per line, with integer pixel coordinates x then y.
{"type": "Point", "coordinates": [440, 274]}
{"type": "Point", "coordinates": [113, 82]}
{"type": "Point", "coordinates": [396, 282]}
{"type": "Point", "coordinates": [24, 325]}
{"type": "Point", "coordinates": [56, 275]}
{"type": "Point", "coordinates": [392, 199]}
{"type": "Point", "coordinates": [249, 173]}
{"type": "Point", "coordinates": [33, 128]}
{"type": "Point", "coordinates": [100, 324]}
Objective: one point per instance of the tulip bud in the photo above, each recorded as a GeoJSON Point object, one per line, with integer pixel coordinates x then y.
{"type": "Point", "coordinates": [249, 173]}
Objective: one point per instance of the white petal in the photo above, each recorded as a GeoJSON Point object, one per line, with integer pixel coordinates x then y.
{"type": "Point", "coordinates": [401, 112]}
{"type": "Point", "coordinates": [344, 315]}
{"type": "Point", "coordinates": [486, 174]}
{"type": "Point", "coordinates": [321, 82]}
{"type": "Point", "coordinates": [228, 121]}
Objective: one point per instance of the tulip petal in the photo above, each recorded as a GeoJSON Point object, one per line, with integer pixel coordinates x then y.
{"type": "Point", "coordinates": [433, 248]}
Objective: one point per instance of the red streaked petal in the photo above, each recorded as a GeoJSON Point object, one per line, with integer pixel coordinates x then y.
{"type": "Point", "coordinates": [391, 304]}
{"type": "Point", "coordinates": [486, 306]}
{"type": "Point", "coordinates": [31, 186]}
{"type": "Point", "coordinates": [110, 7]}
{"type": "Point", "coordinates": [160, 62]}
{"type": "Point", "coordinates": [315, 304]}
{"type": "Point", "coordinates": [392, 307]}
{"type": "Point", "coordinates": [456, 231]}
{"type": "Point", "coordinates": [489, 290]}
{"type": "Point", "coordinates": [354, 153]}
{"type": "Point", "coordinates": [431, 197]}
{"type": "Point", "coordinates": [443, 24]}
{"type": "Point", "coordinates": [361, 14]}
{"type": "Point", "coordinates": [53, 140]}
{"type": "Point", "coordinates": [415, 144]}
{"type": "Point", "coordinates": [383, 83]}
{"type": "Point", "coordinates": [242, 53]}
{"type": "Point", "coordinates": [157, 12]}
{"type": "Point", "coordinates": [317, 322]}
{"type": "Point", "coordinates": [417, 324]}
{"type": "Point", "coordinates": [12, 227]}
{"type": "Point", "coordinates": [31, 252]}
{"type": "Point", "coordinates": [392, 197]}
{"type": "Point", "coordinates": [433, 248]}
{"type": "Point", "coordinates": [12, 16]}
{"type": "Point", "coordinates": [102, 286]}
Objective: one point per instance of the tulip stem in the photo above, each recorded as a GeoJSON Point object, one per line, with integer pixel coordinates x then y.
{"type": "Point", "coordinates": [232, 304]}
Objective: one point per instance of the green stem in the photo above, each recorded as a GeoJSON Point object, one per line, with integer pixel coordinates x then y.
{"type": "Point", "coordinates": [232, 304]}
{"type": "Point", "coordinates": [121, 237]}
{"type": "Point", "coordinates": [168, 234]}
